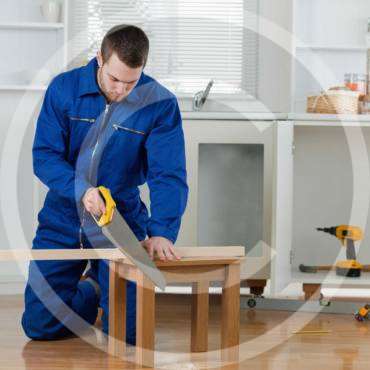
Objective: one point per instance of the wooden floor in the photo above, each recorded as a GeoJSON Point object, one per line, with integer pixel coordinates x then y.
{"type": "Point", "coordinates": [267, 342]}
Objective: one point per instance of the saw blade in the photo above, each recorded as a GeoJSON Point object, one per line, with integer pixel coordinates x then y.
{"type": "Point", "coordinates": [120, 234]}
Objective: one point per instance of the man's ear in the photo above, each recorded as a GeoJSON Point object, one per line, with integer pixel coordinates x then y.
{"type": "Point", "coordinates": [99, 58]}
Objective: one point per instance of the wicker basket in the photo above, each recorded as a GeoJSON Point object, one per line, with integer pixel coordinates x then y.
{"type": "Point", "coordinates": [334, 101]}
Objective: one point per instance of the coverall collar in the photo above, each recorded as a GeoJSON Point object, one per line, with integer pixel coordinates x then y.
{"type": "Point", "coordinates": [89, 84]}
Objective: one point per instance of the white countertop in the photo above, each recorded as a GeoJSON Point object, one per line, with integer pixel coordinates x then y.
{"type": "Point", "coordinates": [249, 116]}
{"type": "Point", "coordinates": [300, 119]}
{"type": "Point", "coordinates": [311, 117]}
{"type": "Point", "coordinates": [330, 279]}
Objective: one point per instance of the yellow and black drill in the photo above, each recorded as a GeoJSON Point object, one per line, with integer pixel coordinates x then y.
{"type": "Point", "coordinates": [347, 235]}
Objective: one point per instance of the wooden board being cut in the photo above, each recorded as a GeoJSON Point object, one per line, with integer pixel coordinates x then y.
{"type": "Point", "coordinates": [112, 253]}
{"type": "Point", "coordinates": [60, 254]}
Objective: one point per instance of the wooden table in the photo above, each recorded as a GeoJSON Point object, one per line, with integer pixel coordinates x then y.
{"type": "Point", "coordinates": [199, 271]}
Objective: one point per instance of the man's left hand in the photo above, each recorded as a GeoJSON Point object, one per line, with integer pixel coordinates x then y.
{"type": "Point", "coordinates": [163, 247]}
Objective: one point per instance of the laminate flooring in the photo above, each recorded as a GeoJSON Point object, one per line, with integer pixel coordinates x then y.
{"type": "Point", "coordinates": [268, 341]}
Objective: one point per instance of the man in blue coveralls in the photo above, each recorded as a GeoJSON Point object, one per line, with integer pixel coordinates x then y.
{"type": "Point", "coordinates": [107, 124]}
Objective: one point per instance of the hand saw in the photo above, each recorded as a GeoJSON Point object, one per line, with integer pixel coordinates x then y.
{"type": "Point", "coordinates": [115, 228]}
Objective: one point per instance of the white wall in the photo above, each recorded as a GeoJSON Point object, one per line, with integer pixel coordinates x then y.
{"type": "Point", "coordinates": [275, 64]}
{"type": "Point", "coordinates": [27, 48]}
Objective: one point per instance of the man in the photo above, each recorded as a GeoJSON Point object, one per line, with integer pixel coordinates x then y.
{"type": "Point", "coordinates": [103, 124]}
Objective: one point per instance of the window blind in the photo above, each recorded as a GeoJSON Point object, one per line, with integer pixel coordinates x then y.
{"type": "Point", "coordinates": [191, 41]}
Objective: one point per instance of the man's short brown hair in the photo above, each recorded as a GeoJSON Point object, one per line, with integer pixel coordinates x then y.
{"type": "Point", "coordinates": [130, 43]}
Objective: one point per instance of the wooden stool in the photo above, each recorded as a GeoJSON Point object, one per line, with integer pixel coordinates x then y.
{"type": "Point", "coordinates": [200, 272]}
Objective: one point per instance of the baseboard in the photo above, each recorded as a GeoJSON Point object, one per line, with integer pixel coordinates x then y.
{"type": "Point", "coordinates": [299, 305]}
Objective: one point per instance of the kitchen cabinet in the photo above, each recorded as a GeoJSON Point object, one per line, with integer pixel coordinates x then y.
{"type": "Point", "coordinates": [268, 184]}
{"type": "Point", "coordinates": [331, 177]}
{"type": "Point", "coordinates": [235, 190]}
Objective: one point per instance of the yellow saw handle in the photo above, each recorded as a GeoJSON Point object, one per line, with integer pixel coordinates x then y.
{"type": "Point", "coordinates": [110, 206]}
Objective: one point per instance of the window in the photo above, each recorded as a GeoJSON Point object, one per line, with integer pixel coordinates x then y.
{"type": "Point", "coordinates": [191, 41]}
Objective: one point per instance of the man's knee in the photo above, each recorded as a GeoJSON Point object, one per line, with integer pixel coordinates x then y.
{"type": "Point", "coordinates": [42, 325]}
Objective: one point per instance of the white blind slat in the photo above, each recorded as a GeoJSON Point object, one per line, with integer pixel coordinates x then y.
{"type": "Point", "coordinates": [191, 41]}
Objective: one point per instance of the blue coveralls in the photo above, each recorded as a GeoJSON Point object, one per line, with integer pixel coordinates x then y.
{"type": "Point", "coordinates": [80, 142]}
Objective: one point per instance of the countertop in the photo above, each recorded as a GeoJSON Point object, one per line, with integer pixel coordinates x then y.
{"type": "Point", "coordinates": [300, 119]}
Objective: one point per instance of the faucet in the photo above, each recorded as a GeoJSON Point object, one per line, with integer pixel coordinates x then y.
{"type": "Point", "coordinates": [201, 96]}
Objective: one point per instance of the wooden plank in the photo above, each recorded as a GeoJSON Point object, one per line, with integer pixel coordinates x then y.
{"type": "Point", "coordinates": [230, 316]}
{"type": "Point", "coordinates": [198, 261]}
{"type": "Point", "coordinates": [117, 311]}
{"type": "Point", "coordinates": [60, 254]}
{"type": "Point", "coordinates": [145, 321]}
{"type": "Point", "coordinates": [199, 317]}
{"type": "Point", "coordinates": [208, 253]}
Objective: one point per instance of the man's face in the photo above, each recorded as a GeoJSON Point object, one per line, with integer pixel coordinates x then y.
{"type": "Point", "coordinates": [115, 78]}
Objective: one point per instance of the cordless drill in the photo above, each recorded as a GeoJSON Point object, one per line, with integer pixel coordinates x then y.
{"type": "Point", "coordinates": [347, 235]}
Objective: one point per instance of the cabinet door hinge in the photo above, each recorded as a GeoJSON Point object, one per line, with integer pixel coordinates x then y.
{"type": "Point", "coordinates": [293, 148]}
{"type": "Point", "coordinates": [291, 257]}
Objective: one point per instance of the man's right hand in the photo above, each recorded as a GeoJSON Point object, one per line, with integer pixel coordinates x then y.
{"type": "Point", "coordinates": [93, 202]}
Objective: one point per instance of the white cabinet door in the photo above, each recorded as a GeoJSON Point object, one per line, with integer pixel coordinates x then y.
{"type": "Point", "coordinates": [282, 207]}
{"type": "Point", "coordinates": [230, 176]}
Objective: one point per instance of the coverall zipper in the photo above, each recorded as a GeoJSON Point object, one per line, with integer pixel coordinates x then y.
{"type": "Point", "coordinates": [104, 122]}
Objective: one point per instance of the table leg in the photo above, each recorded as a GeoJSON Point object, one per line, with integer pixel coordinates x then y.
{"type": "Point", "coordinates": [117, 311]}
{"type": "Point", "coordinates": [145, 321]}
{"type": "Point", "coordinates": [230, 319]}
{"type": "Point", "coordinates": [199, 316]}
{"type": "Point", "coordinates": [256, 286]}
{"type": "Point", "coordinates": [312, 291]}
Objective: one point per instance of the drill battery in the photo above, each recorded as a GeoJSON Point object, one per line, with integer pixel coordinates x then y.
{"type": "Point", "coordinates": [347, 235]}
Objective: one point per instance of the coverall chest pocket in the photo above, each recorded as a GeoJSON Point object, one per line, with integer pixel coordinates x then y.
{"type": "Point", "coordinates": [121, 127]}
{"type": "Point", "coordinates": [128, 137]}
{"type": "Point", "coordinates": [128, 144]}
{"type": "Point", "coordinates": [79, 125]}
{"type": "Point", "coordinates": [81, 119]}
